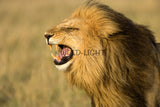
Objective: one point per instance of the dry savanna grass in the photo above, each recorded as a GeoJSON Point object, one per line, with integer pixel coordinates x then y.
{"type": "Point", "coordinates": [27, 75]}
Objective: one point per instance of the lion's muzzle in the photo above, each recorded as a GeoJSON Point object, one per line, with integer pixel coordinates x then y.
{"type": "Point", "coordinates": [64, 53]}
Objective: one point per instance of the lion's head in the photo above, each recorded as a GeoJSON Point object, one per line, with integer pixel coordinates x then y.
{"type": "Point", "coordinates": [81, 32]}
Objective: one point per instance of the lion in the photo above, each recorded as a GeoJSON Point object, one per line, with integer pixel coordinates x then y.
{"type": "Point", "coordinates": [124, 70]}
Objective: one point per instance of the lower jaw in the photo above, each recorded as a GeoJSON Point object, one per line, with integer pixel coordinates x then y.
{"type": "Point", "coordinates": [64, 67]}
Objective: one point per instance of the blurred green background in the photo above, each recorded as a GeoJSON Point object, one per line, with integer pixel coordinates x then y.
{"type": "Point", "coordinates": [27, 74]}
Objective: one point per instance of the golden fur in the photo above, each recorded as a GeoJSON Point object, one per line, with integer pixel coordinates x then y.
{"type": "Point", "coordinates": [126, 72]}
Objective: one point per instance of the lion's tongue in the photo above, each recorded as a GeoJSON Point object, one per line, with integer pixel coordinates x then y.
{"type": "Point", "coordinates": [63, 53]}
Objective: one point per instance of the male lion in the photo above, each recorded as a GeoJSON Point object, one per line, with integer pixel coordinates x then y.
{"type": "Point", "coordinates": [124, 69]}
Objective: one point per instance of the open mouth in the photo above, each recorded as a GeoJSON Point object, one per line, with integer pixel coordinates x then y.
{"type": "Point", "coordinates": [64, 54]}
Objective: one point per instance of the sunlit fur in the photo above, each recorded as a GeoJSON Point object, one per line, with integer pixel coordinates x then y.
{"type": "Point", "coordinates": [126, 74]}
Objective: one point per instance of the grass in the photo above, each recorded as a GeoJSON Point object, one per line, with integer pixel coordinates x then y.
{"type": "Point", "coordinates": [27, 74]}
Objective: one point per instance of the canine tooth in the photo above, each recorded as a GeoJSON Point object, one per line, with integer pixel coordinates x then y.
{"type": "Point", "coordinates": [69, 52]}
{"type": "Point", "coordinates": [56, 47]}
{"type": "Point", "coordinates": [50, 47]}
{"type": "Point", "coordinates": [54, 57]}
{"type": "Point", "coordinates": [58, 58]}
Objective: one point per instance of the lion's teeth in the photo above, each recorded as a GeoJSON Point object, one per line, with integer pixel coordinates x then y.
{"type": "Point", "coordinates": [69, 52]}
{"type": "Point", "coordinates": [58, 58]}
{"type": "Point", "coordinates": [54, 57]}
{"type": "Point", "coordinates": [56, 47]}
{"type": "Point", "coordinates": [50, 47]}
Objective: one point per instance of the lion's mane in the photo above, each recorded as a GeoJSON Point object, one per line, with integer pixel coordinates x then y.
{"type": "Point", "coordinates": [127, 72]}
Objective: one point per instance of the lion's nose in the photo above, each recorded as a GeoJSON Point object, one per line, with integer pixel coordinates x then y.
{"type": "Point", "coordinates": [48, 36]}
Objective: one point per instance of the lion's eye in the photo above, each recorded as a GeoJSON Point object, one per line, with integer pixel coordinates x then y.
{"type": "Point", "coordinates": [70, 28]}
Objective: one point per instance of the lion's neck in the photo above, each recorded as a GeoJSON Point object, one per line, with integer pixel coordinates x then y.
{"type": "Point", "coordinates": [106, 93]}
{"type": "Point", "coordinates": [109, 96]}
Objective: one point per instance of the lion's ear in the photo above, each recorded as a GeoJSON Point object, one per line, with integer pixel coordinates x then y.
{"type": "Point", "coordinates": [108, 30]}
